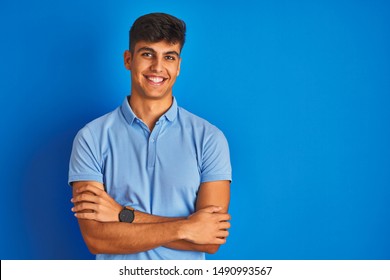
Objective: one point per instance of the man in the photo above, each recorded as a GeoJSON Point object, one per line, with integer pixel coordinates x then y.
{"type": "Point", "coordinates": [151, 180]}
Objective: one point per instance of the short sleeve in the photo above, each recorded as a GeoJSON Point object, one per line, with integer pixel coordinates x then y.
{"type": "Point", "coordinates": [216, 158]}
{"type": "Point", "coordinates": [84, 162]}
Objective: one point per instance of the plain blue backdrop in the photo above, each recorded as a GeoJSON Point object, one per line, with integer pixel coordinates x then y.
{"type": "Point", "coordinates": [300, 88]}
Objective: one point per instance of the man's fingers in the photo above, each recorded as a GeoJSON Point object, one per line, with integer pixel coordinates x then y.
{"type": "Point", "coordinates": [224, 225]}
{"type": "Point", "coordinates": [219, 241]}
{"type": "Point", "coordinates": [223, 233]}
{"type": "Point", "coordinates": [85, 206]}
{"type": "Point", "coordinates": [85, 197]}
{"type": "Point", "coordinates": [222, 217]}
{"type": "Point", "coordinates": [90, 188]}
{"type": "Point", "coordinates": [214, 210]}
{"type": "Point", "coordinates": [225, 217]}
{"type": "Point", "coordinates": [87, 216]}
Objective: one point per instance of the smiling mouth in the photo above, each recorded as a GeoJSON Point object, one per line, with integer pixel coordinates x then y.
{"type": "Point", "coordinates": [155, 80]}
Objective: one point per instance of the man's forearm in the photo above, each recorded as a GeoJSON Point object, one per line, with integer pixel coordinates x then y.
{"type": "Point", "coordinates": [125, 238]}
{"type": "Point", "coordinates": [204, 227]}
{"type": "Point", "coordinates": [141, 217]}
{"type": "Point", "coordinates": [189, 246]}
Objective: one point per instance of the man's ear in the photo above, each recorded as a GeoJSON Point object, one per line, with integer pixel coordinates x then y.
{"type": "Point", "coordinates": [127, 58]}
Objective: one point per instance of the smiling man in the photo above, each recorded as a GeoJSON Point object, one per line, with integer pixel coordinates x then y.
{"type": "Point", "coordinates": [151, 180]}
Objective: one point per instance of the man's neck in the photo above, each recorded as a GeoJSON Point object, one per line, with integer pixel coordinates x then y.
{"type": "Point", "coordinates": [149, 110]}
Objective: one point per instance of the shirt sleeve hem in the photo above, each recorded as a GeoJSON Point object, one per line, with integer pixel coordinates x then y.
{"type": "Point", "coordinates": [217, 177]}
{"type": "Point", "coordinates": [76, 178]}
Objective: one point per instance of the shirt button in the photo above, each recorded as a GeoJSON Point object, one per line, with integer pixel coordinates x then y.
{"type": "Point", "coordinates": [152, 139]}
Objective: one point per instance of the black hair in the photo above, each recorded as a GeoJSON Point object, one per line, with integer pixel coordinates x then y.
{"type": "Point", "coordinates": [157, 27]}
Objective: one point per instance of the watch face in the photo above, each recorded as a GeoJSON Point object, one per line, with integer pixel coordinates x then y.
{"type": "Point", "coordinates": [126, 215]}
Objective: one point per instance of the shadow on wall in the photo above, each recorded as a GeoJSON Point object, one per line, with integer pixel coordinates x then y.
{"type": "Point", "coordinates": [53, 230]}
{"type": "Point", "coordinates": [59, 111]}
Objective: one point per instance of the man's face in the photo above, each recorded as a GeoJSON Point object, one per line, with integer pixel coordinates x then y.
{"type": "Point", "coordinates": [154, 68]}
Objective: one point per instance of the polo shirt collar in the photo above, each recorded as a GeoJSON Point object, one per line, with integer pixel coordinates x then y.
{"type": "Point", "coordinates": [172, 111]}
{"type": "Point", "coordinates": [130, 116]}
{"type": "Point", "coordinates": [127, 112]}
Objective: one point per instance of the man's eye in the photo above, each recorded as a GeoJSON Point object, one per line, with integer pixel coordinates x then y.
{"type": "Point", "coordinates": [169, 57]}
{"type": "Point", "coordinates": [147, 54]}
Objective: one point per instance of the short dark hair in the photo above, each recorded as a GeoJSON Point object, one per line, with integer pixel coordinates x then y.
{"type": "Point", "coordinates": [157, 27]}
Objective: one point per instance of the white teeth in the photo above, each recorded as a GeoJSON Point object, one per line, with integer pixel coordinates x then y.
{"type": "Point", "coordinates": [156, 79]}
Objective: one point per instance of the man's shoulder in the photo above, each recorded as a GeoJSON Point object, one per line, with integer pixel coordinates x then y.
{"type": "Point", "coordinates": [195, 120]}
{"type": "Point", "coordinates": [103, 122]}
{"type": "Point", "coordinates": [200, 128]}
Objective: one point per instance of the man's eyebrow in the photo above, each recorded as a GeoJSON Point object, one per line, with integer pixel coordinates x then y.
{"type": "Point", "coordinates": [148, 49]}
{"type": "Point", "coordinates": [173, 52]}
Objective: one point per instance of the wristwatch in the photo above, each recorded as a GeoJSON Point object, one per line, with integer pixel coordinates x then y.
{"type": "Point", "coordinates": [126, 215]}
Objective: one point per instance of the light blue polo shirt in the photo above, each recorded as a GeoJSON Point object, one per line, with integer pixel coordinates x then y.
{"type": "Point", "coordinates": [157, 172]}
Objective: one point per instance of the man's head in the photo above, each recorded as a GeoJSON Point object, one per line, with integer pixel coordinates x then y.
{"type": "Point", "coordinates": [157, 27]}
{"type": "Point", "coordinates": [154, 57]}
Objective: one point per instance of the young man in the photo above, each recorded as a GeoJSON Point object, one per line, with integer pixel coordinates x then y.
{"type": "Point", "coordinates": [151, 180]}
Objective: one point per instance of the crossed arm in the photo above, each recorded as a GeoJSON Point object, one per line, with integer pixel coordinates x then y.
{"type": "Point", "coordinates": [205, 230]}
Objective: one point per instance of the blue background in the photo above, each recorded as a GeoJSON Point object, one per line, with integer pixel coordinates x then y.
{"type": "Point", "coordinates": [300, 89]}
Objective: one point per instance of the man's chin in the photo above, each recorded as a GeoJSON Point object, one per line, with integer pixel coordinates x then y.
{"type": "Point", "coordinates": [158, 95]}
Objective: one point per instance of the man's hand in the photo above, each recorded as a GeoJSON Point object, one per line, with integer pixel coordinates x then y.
{"type": "Point", "coordinates": [93, 203]}
{"type": "Point", "coordinates": [207, 226]}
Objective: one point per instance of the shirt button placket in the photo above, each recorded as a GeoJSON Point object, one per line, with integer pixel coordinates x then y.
{"type": "Point", "coordinates": [152, 153]}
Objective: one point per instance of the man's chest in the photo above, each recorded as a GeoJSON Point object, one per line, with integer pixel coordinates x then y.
{"type": "Point", "coordinates": [157, 175]}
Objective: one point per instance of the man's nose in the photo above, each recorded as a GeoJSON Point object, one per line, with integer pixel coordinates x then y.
{"type": "Point", "coordinates": [157, 65]}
